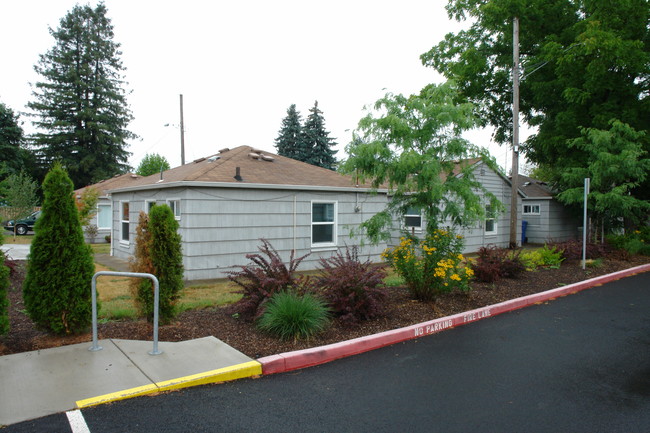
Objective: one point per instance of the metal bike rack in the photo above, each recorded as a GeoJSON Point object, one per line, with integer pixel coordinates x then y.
{"type": "Point", "coordinates": [156, 300]}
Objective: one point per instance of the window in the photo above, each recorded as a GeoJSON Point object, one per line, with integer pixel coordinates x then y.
{"type": "Point", "coordinates": [323, 224]}
{"type": "Point", "coordinates": [148, 204]}
{"type": "Point", "coordinates": [104, 216]}
{"type": "Point", "coordinates": [490, 221]}
{"type": "Point", "coordinates": [175, 206]}
{"type": "Point", "coordinates": [413, 218]}
{"type": "Point", "coordinates": [531, 209]}
{"type": "Point", "coordinates": [124, 222]}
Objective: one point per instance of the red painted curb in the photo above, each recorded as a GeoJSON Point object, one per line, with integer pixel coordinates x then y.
{"type": "Point", "coordinates": [319, 355]}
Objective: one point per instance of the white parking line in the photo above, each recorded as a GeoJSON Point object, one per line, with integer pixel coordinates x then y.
{"type": "Point", "coordinates": [77, 422]}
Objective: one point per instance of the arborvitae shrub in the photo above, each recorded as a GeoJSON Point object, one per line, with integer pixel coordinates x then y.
{"type": "Point", "coordinates": [142, 289]}
{"type": "Point", "coordinates": [166, 258]}
{"type": "Point", "coordinates": [57, 287]}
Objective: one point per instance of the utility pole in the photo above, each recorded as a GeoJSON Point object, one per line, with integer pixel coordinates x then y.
{"type": "Point", "coordinates": [515, 132]}
{"type": "Point", "coordinates": [182, 135]}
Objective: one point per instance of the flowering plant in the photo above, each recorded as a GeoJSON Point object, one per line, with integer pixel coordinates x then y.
{"type": "Point", "coordinates": [432, 265]}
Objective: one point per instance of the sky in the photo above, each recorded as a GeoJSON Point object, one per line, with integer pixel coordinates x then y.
{"type": "Point", "coordinates": [240, 64]}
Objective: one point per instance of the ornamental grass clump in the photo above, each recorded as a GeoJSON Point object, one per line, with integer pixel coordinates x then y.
{"type": "Point", "coordinates": [430, 266]}
{"type": "Point", "coordinates": [290, 315]}
{"type": "Point", "coordinates": [353, 289]}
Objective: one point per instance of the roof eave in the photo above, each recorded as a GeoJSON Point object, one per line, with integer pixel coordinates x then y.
{"type": "Point", "coordinates": [199, 184]}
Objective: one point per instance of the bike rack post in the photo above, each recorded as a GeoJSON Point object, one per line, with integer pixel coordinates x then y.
{"type": "Point", "coordinates": [156, 300]}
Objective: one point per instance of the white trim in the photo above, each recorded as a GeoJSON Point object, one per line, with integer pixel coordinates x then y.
{"type": "Point", "coordinates": [415, 228]}
{"type": "Point", "coordinates": [110, 215]}
{"type": "Point", "coordinates": [177, 207]}
{"type": "Point", "coordinates": [494, 223]}
{"type": "Point", "coordinates": [196, 184]}
{"type": "Point", "coordinates": [531, 205]}
{"type": "Point", "coordinates": [333, 223]}
{"type": "Point", "coordinates": [123, 221]}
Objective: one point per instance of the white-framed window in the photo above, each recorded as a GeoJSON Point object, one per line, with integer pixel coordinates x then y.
{"type": "Point", "coordinates": [490, 221]}
{"type": "Point", "coordinates": [323, 223]}
{"type": "Point", "coordinates": [104, 216]}
{"type": "Point", "coordinates": [175, 206]}
{"type": "Point", "coordinates": [531, 209]}
{"type": "Point", "coordinates": [148, 204]}
{"type": "Point", "coordinates": [124, 222]}
{"type": "Point", "coordinates": [413, 218]}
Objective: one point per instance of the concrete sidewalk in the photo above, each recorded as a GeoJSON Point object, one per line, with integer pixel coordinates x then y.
{"type": "Point", "coordinates": [44, 382]}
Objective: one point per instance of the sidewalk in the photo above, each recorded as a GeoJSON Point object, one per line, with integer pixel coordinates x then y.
{"type": "Point", "coordinates": [44, 382]}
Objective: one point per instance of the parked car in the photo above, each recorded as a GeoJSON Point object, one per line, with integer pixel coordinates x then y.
{"type": "Point", "coordinates": [23, 225]}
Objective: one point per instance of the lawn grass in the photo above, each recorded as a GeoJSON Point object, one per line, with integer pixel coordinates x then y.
{"type": "Point", "coordinates": [19, 240]}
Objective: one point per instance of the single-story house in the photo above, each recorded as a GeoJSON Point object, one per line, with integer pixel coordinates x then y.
{"type": "Point", "coordinates": [227, 202]}
{"type": "Point", "coordinates": [546, 218]}
{"type": "Point", "coordinates": [103, 218]}
{"type": "Point", "coordinates": [491, 231]}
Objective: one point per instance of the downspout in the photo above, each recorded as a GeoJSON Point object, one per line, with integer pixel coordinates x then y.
{"type": "Point", "coordinates": [294, 223]}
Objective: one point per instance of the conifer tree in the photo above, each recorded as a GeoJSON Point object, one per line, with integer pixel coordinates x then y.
{"type": "Point", "coordinates": [166, 258]}
{"type": "Point", "coordinates": [80, 105]}
{"type": "Point", "coordinates": [288, 141]}
{"type": "Point", "coordinates": [57, 288]}
{"type": "Point", "coordinates": [11, 139]}
{"type": "Point", "coordinates": [316, 144]}
{"type": "Point", "coordinates": [142, 289]}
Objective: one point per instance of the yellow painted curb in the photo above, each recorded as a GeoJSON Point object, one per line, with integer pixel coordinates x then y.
{"type": "Point", "coordinates": [239, 371]}
{"type": "Point", "coordinates": [115, 396]}
{"type": "Point", "coordinates": [246, 369]}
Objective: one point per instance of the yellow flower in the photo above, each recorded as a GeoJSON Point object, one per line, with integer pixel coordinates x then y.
{"type": "Point", "coordinates": [455, 277]}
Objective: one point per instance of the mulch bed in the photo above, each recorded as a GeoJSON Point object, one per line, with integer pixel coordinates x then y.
{"type": "Point", "coordinates": [400, 311]}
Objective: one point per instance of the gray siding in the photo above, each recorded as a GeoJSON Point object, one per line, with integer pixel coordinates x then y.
{"type": "Point", "coordinates": [554, 223]}
{"type": "Point", "coordinates": [220, 226]}
{"type": "Point", "coordinates": [475, 237]}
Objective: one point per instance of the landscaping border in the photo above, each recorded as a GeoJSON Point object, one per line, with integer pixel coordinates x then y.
{"type": "Point", "coordinates": [298, 359]}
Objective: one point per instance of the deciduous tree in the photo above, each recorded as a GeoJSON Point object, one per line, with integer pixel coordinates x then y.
{"type": "Point", "coordinates": [152, 164]}
{"type": "Point", "coordinates": [413, 145]}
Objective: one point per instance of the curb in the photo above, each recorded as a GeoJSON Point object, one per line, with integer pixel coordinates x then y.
{"type": "Point", "coordinates": [320, 355]}
{"type": "Point", "coordinates": [238, 371]}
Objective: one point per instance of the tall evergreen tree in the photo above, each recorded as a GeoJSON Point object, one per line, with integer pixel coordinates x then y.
{"type": "Point", "coordinates": [57, 288]}
{"type": "Point", "coordinates": [316, 144]}
{"type": "Point", "coordinates": [80, 105]}
{"type": "Point", "coordinates": [13, 156]}
{"type": "Point", "coordinates": [288, 141]}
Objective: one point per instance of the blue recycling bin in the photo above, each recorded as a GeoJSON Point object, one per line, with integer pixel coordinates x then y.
{"type": "Point", "coordinates": [524, 225]}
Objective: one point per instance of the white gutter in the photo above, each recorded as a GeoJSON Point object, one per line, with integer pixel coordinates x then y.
{"type": "Point", "coordinates": [185, 184]}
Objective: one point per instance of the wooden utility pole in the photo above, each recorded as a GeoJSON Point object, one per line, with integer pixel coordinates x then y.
{"type": "Point", "coordinates": [182, 135]}
{"type": "Point", "coordinates": [515, 133]}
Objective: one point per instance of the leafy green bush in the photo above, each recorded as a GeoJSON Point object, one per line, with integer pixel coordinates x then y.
{"type": "Point", "coordinates": [494, 263]}
{"type": "Point", "coordinates": [431, 266]}
{"type": "Point", "coordinates": [353, 290]}
{"type": "Point", "coordinates": [290, 315]}
{"type": "Point", "coordinates": [636, 242]}
{"type": "Point", "coordinates": [262, 278]}
{"type": "Point", "coordinates": [57, 287]}
{"type": "Point", "coordinates": [544, 257]}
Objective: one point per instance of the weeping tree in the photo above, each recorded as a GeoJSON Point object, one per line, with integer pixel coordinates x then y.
{"type": "Point", "coordinates": [57, 288]}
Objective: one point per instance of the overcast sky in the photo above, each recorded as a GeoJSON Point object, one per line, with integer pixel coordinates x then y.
{"type": "Point", "coordinates": [241, 64]}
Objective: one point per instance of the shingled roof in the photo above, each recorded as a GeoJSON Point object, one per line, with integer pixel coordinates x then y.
{"type": "Point", "coordinates": [245, 165]}
{"type": "Point", "coordinates": [534, 188]}
{"type": "Point", "coordinates": [118, 181]}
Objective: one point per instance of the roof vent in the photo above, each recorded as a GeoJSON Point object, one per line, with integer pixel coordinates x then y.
{"type": "Point", "coordinates": [267, 158]}
{"type": "Point", "coordinates": [224, 150]}
{"type": "Point", "coordinates": [134, 176]}
{"type": "Point", "coordinates": [213, 158]}
{"type": "Point", "coordinates": [254, 155]}
{"type": "Point", "coordinates": [198, 160]}
{"type": "Point", "coordinates": [238, 174]}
